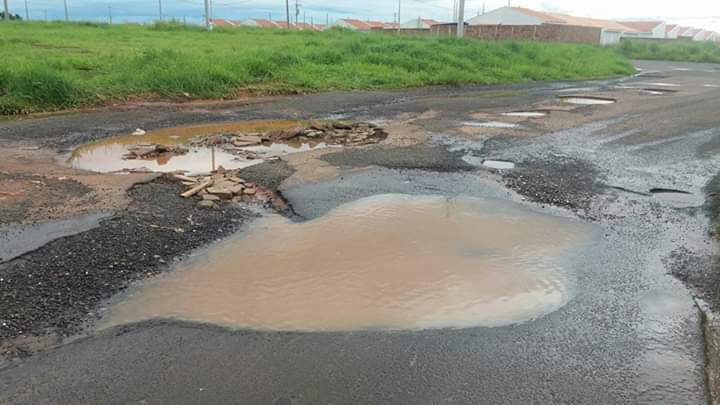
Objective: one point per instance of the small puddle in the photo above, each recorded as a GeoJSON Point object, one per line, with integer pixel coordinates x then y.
{"type": "Point", "coordinates": [391, 262]}
{"type": "Point", "coordinates": [658, 92]}
{"type": "Point", "coordinates": [678, 198]}
{"type": "Point", "coordinates": [578, 89]}
{"type": "Point", "coordinates": [499, 164]}
{"type": "Point", "coordinates": [491, 124]}
{"type": "Point", "coordinates": [530, 114]}
{"type": "Point", "coordinates": [663, 84]}
{"type": "Point", "coordinates": [587, 100]}
{"type": "Point", "coordinates": [106, 155]}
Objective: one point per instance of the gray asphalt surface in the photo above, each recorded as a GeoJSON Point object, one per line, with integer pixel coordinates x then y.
{"type": "Point", "coordinates": [631, 334]}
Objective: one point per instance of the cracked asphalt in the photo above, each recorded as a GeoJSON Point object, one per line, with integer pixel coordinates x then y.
{"type": "Point", "coordinates": [632, 334]}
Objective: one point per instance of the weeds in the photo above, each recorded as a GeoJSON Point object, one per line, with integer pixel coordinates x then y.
{"type": "Point", "coordinates": [678, 51]}
{"type": "Point", "coordinates": [48, 66]}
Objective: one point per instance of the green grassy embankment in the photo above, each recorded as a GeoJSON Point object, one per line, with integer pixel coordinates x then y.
{"type": "Point", "coordinates": [676, 51]}
{"type": "Point", "coordinates": [53, 66]}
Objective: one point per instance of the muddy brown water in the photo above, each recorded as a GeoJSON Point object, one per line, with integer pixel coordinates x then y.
{"type": "Point", "coordinates": [393, 262]}
{"type": "Point", "coordinates": [106, 155]}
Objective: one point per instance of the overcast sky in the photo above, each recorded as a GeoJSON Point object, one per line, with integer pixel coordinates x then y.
{"type": "Point", "coordinates": [700, 13]}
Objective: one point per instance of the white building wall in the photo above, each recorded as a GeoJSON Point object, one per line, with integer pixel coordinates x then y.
{"type": "Point", "coordinates": [700, 36]}
{"type": "Point", "coordinates": [249, 23]}
{"type": "Point", "coordinates": [610, 37]}
{"type": "Point", "coordinates": [343, 24]}
{"type": "Point", "coordinates": [505, 16]}
{"type": "Point", "coordinates": [415, 23]}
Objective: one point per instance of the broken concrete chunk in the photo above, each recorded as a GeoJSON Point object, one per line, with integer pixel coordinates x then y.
{"type": "Point", "coordinates": [236, 179]}
{"type": "Point", "coordinates": [143, 151]}
{"type": "Point", "coordinates": [250, 191]}
{"type": "Point", "coordinates": [207, 204]}
{"type": "Point", "coordinates": [197, 189]}
{"type": "Point", "coordinates": [237, 189]}
{"type": "Point", "coordinates": [210, 197]}
{"type": "Point", "coordinates": [221, 192]}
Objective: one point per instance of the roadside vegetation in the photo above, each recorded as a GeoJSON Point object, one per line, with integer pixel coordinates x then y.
{"type": "Point", "coordinates": [677, 51]}
{"type": "Point", "coordinates": [51, 66]}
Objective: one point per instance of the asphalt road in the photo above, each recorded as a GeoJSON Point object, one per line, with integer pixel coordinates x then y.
{"type": "Point", "coordinates": [631, 334]}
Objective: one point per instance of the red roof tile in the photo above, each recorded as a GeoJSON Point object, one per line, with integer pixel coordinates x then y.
{"type": "Point", "coordinates": [557, 18]}
{"type": "Point", "coordinates": [356, 23]}
{"type": "Point", "coordinates": [641, 26]}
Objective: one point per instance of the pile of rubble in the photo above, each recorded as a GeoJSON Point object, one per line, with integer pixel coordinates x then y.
{"type": "Point", "coordinates": [226, 186]}
{"type": "Point", "coordinates": [331, 133]}
{"type": "Point", "coordinates": [151, 151]}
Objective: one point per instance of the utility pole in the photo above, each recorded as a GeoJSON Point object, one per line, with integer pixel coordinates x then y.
{"type": "Point", "coordinates": [27, 12]}
{"type": "Point", "coordinates": [304, 18]}
{"type": "Point", "coordinates": [287, 12]}
{"type": "Point", "coordinates": [461, 19]}
{"type": "Point", "coordinates": [327, 19]}
{"type": "Point", "coordinates": [297, 11]}
{"type": "Point", "coordinates": [67, 16]}
{"type": "Point", "coordinates": [399, 14]}
{"type": "Point", "coordinates": [160, 9]}
{"type": "Point", "coordinates": [45, 11]}
{"type": "Point", "coordinates": [6, 16]}
{"type": "Point", "coordinates": [110, 15]}
{"type": "Point", "coordinates": [207, 15]}
{"type": "Point", "coordinates": [455, 10]}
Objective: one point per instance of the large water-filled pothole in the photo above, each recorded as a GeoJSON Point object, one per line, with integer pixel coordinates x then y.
{"type": "Point", "coordinates": [107, 155]}
{"type": "Point", "coordinates": [385, 262]}
{"type": "Point", "coordinates": [203, 148]}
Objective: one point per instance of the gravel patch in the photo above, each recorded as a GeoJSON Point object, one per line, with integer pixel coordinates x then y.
{"type": "Point", "coordinates": [54, 289]}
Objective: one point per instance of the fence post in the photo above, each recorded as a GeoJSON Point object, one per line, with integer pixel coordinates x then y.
{"type": "Point", "coordinates": [535, 33]}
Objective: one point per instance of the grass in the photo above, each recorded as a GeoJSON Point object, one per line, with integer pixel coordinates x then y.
{"type": "Point", "coordinates": [52, 66]}
{"type": "Point", "coordinates": [678, 51]}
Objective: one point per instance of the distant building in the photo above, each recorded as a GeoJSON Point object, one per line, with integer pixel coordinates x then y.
{"type": "Point", "coordinates": [672, 31]}
{"type": "Point", "coordinates": [260, 23]}
{"type": "Point", "coordinates": [645, 29]}
{"type": "Point", "coordinates": [352, 24]}
{"type": "Point", "coordinates": [311, 27]}
{"type": "Point", "coordinates": [707, 36]}
{"type": "Point", "coordinates": [221, 22]}
{"type": "Point", "coordinates": [610, 33]}
{"type": "Point", "coordinates": [688, 33]}
{"type": "Point", "coordinates": [419, 24]}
